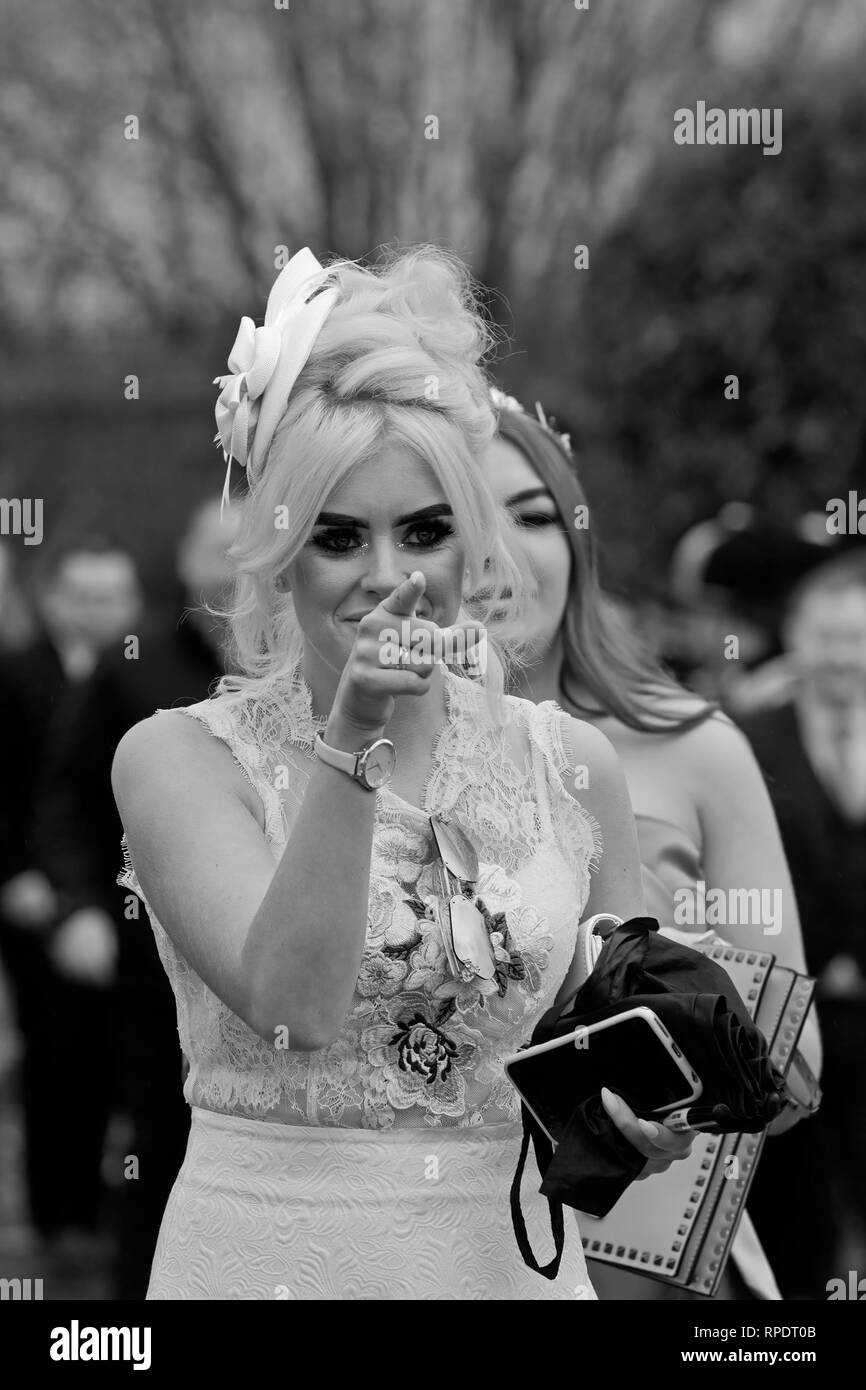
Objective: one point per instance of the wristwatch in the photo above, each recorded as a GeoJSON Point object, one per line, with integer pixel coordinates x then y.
{"type": "Point", "coordinates": [373, 766]}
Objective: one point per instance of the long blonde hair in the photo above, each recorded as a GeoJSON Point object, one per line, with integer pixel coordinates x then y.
{"type": "Point", "coordinates": [398, 361]}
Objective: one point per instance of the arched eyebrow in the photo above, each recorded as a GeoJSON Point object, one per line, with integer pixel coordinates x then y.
{"type": "Point", "coordinates": [526, 494]}
{"type": "Point", "coordinates": [424, 514]}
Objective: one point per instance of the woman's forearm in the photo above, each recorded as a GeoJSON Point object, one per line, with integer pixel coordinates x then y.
{"type": "Point", "coordinates": [305, 943]}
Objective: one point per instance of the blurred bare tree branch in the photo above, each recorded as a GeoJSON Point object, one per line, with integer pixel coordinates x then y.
{"type": "Point", "coordinates": [260, 127]}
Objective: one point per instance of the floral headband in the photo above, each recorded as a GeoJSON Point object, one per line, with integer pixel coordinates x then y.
{"type": "Point", "coordinates": [503, 402]}
{"type": "Point", "coordinates": [264, 363]}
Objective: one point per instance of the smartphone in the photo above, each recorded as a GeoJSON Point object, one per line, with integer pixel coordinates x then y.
{"type": "Point", "coordinates": [632, 1053]}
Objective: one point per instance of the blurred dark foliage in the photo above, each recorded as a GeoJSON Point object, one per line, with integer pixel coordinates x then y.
{"type": "Point", "coordinates": [762, 277]}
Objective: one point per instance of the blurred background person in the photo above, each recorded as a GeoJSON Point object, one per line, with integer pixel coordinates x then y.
{"type": "Point", "coordinates": [85, 597]}
{"type": "Point", "coordinates": [811, 745]}
{"type": "Point", "coordinates": [729, 580]}
{"type": "Point", "coordinates": [127, 1022]}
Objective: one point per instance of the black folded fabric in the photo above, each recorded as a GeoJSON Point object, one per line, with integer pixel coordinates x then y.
{"type": "Point", "coordinates": [694, 997]}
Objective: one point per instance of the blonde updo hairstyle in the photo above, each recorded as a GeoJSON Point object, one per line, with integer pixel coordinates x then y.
{"type": "Point", "coordinates": [396, 363]}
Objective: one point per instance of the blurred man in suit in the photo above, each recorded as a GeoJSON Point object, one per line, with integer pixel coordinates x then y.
{"type": "Point", "coordinates": [812, 747]}
{"type": "Point", "coordinates": [86, 595]}
{"type": "Point", "coordinates": [731, 576]}
{"type": "Point", "coordinates": [78, 834]}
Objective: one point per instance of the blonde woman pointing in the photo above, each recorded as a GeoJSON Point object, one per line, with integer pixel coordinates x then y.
{"type": "Point", "coordinates": [353, 1132]}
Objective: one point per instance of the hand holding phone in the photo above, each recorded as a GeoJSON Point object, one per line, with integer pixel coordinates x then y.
{"type": "Point", "coordinates": [631, 1054]}
{"type": "Point", "coordinates": [660, 1146]}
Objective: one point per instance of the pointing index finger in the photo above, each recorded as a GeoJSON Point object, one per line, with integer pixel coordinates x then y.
{"type": "Point", "coordinates": [403, 600]}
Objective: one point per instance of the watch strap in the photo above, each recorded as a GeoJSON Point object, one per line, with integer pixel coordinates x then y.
{"type": "Point", "coordinates": [336, 757]}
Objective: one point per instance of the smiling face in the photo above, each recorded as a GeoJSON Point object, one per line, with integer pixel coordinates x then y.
{"type": "Point", "coordinates": [538, 530]}
{"type": "Point", "coordinates": [390, 516]}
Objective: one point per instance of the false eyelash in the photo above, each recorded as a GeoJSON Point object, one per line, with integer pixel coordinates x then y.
{"type": "Point", "coordinates": [535, 520]}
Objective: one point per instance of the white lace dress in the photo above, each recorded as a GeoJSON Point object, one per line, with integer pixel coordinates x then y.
{"type": "Point", "coordinates": [379, 1167]}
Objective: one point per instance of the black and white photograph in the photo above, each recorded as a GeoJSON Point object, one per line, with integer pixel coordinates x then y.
{"type": "Point", "coordinates": [433, 665]}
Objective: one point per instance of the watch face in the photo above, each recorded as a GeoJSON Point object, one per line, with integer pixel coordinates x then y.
{"type": "Point", "coordinates": [378, 765]}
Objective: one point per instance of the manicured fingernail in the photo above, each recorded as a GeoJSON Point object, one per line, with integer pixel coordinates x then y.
{"type": "Point", "coordinates": [650, 1130]}
{"type": "Point", "coordinates": [611, 1104]}
{"type": "Point", "coordinates": [416, 576]}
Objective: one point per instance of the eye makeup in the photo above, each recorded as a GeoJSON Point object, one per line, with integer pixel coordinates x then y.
{"type": "Point", "coordinates": [534, 521]}
{"type": "Point", "coordinates": [342, 535]}
{"type": "Point", "coordinates": [533, 518]}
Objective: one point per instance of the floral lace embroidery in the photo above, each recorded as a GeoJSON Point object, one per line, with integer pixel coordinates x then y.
{"type": "Point", "coordinates": [417, 1046]}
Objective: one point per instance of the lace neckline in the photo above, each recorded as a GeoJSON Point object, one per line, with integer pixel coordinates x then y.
{"type": "Point", "coordinates": [294, 719]}
{"type": "Point", "coordinates": [451, 713]}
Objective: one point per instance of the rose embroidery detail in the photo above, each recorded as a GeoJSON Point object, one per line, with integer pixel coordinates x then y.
{"type": "Point", "coordinates": [392, 918]}
{"type": "Point", "coordinates": [495, 885]}
{"type": "Point", "coordinates": [427, 964]}
{"type": "Point", "coordinates": [380, 975]}
{"type": "Point", "coordinates": [528, 927]}
{"type": "Point", "coordinates": [423, 1049]}
{"type": "Point", "coordinates": [412, 919]}
{"type": "Point", "coordinates": [400, 853]}
{"type": "Point", "coordinates": [384, 904]}
{"type": "Point", "coordinates": [423, 1061]}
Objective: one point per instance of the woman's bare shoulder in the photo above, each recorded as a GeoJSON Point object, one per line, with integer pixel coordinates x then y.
{"type": "Point", "coordinates": [170, 748]}
{"type": "Point", "coordinates": [717, 744]}
{"type": "Point", "coordinates": [710, 755]}
{"type": "Point", "coordinates": [161, 736]}
{"type": "Point", "coordinates": [587, 747]}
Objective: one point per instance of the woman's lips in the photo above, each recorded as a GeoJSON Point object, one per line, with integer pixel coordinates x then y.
{"type": "Point", "coordinates": [358, 616]}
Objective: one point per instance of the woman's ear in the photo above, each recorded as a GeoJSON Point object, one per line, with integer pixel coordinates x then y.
{"type": "Point", "coordinates": [283, 583]}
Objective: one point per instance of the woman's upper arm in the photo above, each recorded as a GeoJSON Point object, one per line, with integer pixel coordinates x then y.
{"type": "Point", "coordinates": [743, 855]}
{"type": "Point", "coordinates": [201, 858]}
{"type": "Point", "coordinates": [616, 885]}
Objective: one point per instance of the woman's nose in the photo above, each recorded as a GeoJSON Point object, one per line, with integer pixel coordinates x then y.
{"type": "Point", "coordinates": [386, 567]}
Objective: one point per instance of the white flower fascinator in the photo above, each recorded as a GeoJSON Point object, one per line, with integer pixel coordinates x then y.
{"type": "Point", "coordinates": [265, 362]}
